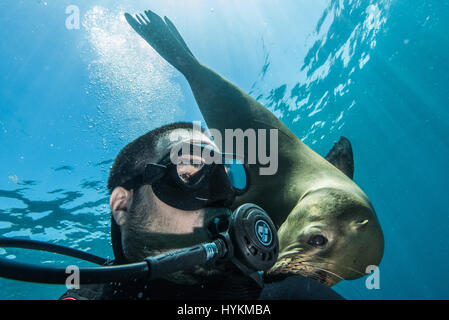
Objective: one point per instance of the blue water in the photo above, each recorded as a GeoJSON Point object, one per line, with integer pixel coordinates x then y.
{"type": "Point", "coordinates": [374, 71]}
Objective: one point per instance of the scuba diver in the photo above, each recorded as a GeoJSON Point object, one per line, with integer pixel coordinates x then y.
{"type": "Point", "coordinates": [153, 212]}
{"type": "Point", "coordinates": [173, 233]}
{"type": "Point", "coordinates": [172, 230]}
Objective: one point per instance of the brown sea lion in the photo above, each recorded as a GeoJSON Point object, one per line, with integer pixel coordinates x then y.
{"type": "Point", "coordinates": [328, 228]}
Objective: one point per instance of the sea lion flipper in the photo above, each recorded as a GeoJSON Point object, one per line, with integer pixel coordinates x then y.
{"type": "Point", "coordinates": [341, 156]}
{"type": "Point", "coordinates": [222, 104]}
{"type": "Point", "coordinates": [164, 38]}
{"type": "Point", "coordinates": [177, 34]}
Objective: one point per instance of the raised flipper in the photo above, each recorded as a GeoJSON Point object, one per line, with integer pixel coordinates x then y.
{"type": "Point", "coordinates": [341, 156]}
{"type": "Point", "coordinates": [223, 104]}
{"type": "Point", "coordinates": [164, 38]}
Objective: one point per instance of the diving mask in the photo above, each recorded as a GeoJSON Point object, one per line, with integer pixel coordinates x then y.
{"type": "Point", "coordinates": [194, 176]}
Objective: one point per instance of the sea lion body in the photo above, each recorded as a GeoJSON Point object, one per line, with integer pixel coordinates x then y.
{"type": "Point", "coordinates": [307, 193]}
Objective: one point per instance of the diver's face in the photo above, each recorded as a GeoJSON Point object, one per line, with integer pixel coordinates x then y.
{"type": "Point", "coordinates": [148, 225]}
{"type": "Point", "coordinates": [154, 227]}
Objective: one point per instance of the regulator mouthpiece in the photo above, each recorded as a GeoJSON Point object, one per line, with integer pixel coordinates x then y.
{"type": "Point", "coordinates": [255, 244]}
{"type": "Point", "coordinates": [250, 242]}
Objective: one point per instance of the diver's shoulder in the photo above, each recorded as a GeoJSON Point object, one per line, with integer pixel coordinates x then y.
{"type": "Point", "coordinates": [86, 292]}
{"type": "Point", "coordinates": [297, 287]}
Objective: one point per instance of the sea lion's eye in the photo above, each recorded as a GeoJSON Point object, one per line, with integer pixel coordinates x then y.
{"type": "Point", "coordinates": [317, 240]}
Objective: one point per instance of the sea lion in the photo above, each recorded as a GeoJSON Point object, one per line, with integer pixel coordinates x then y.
{"type": "Point", "coordinates": [328, 228]}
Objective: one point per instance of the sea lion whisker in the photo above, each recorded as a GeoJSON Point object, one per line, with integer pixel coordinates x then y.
{"type": "Point", "coordinates": [289, 254]}
{"type": "Point", "coordinates": [314, 275]}
{"type": "Point", "coordinates": [325, 270]}
{"type": "Point", "coordinates": [340, 265]}
{"type": "Point", "coordinates": [348, 282]}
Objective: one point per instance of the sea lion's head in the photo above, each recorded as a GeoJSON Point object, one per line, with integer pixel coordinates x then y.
{"type": "Point", "coordinates": [331, 234]}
